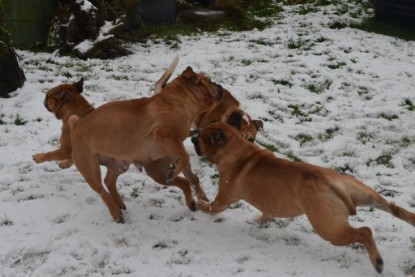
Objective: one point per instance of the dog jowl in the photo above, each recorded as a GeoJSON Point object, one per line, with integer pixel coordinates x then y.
{"type": "Point", "coordinates": [146, 132]}
{"type": "Point", "coordinates": [281, 188]}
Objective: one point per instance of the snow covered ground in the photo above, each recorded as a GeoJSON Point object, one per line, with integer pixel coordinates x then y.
{"type": "Point", "coordinates": [341, 98]}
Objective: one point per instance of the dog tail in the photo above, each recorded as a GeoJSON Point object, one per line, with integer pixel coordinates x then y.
{"type": "Point", "coordinates": [72, 121]}
{"type": "Point", "coordinates": [363, 195]}
{"type": "Point", "coordinates": [161, 83]}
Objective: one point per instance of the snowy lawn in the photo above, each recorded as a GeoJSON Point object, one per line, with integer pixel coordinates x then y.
{"type": "Point", "coordinates": [341, 98]}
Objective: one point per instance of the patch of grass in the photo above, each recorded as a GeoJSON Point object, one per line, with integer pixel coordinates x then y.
{"type": "Point", "coordinates": [293, 157]}
{"type": "Point", "coordinates": [1, 119]}
{"type": "Point", "coordinates": [364, 136]}
{"type": "Point", "coordinates": [389, 117]}
{"type": "Point", "coordinates": [345, 169]}
{"type": "Point", "coordinates": [282, 82]}
{"type": "Point", "coordinates": [262, 41]}
{"type": "Point", "coordinates": [336, 65]}
{"type": "Point", "coordinates": [395, 28]}
{"type": "Point", "coordinates": [246, 62]}
{"type": "Point", "coordinates": [303, 138]}
{"type": "Point", "coordinates": [19, 121]}
{"type": "Point", "coordinates": [318, 87]}
{"type": "Point", "coordinates": [296, 111]}
{"type": "Point", "coordinates": [305, 9]}
{"type": "Point", "coordinates": [120, 77]}
{"type": "Point", "coordinates": [329, 133]}
{"type": "Point", "coordinates": [66, 74]}
{"type": "Point", "coordinates": [135, 193]}
{"type": "Point", "coordinates": [405, 141]}
{"type": "Point", "coordinates": [270, 147]}
{"type": "Point", "coordinates": [6, 221]}
{"type": "Point", "coordinates": [409, 105]}
{"type": "Point", "coordinates": [338, 25]}
{"type": "Point", "coordinates": [255, 96]}
{"type": "Point", "coordinates": [342, 9]}
{"type": "Point", "coordinates": [295, 44]}
{"type": "Point", "coordinates": [322, 3]}
{"type": "Point", "coordinates": [321, 39]}
{"type": "Point", "coordinates": [383, 159]}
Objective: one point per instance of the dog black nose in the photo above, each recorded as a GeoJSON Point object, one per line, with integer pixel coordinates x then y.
{"type": "Point", "coordinates": [45, 102]}
{"type": "Point", "coordinates": [195, 141]}
{"type": "Point", "coordinates": [220, 92]}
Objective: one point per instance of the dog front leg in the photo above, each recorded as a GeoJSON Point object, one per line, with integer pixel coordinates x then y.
{"type": "Point", "coordinates": [194, 182]}
{"type": "Point", "coordinates": [218, 205]}
{"type": "Point", "coordinates": [57, 155]}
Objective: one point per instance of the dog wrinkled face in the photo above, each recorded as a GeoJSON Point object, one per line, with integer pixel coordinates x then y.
{"type": "Point", "coordinates": [57, 97]}
{"type": "Point", "coordinates": [208, 140]}
{"type": "Point", "coordinates": [207, 91]}
{"type": "Point", "coordinates": [247, 127]}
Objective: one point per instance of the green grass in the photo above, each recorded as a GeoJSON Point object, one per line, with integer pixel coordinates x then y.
{"type": "Point", "coordinates": [282, 82]}
{"type": "Point", "coordinates": [394, 28]}
{"type": "Point", "coordinates": [270, 147]}
{"type": "Point", "coordinates": [389, 117]}
{"type": "Point", "coordinates": [345, 169]}
{"type": "Point", "coordinates": [329, 133]}
{"type": "Point", "coordinates": [19, 121]}
{"type": "Point", "coordinates": [409, 105]}
{"type": "Point", "coordinates": [303, 138]}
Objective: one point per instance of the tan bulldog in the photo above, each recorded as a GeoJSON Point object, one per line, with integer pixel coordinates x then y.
{"type": "Point", "coordinates": [227, 110]}
{"type": "Point", "coordinates": [281, 188]}
{"type": "Point", "coordinates": [142, 132]}
{"type": "Point", "coordinates": [64, 100]}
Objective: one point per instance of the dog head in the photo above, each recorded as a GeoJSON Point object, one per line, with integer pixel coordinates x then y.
{"type": "Point", "coordinates": [57, 98]}
{"type": "Point", "coordinates": [212, 140]}
{"type": "Point", "coordinates": [247, 127]}
{"type": "Point", "coordinates": [205, 90]}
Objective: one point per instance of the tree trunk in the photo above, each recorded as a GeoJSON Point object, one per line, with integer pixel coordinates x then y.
{"type": "Point", "coordinates": [11, 75]}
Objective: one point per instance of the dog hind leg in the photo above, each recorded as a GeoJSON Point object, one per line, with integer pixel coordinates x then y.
{"type": "Point", "coordinates": [329, 217]}
{"type": "Point", "coordinates": [363, 195]}
{"type": "Point", "coordinates": [110, 181]}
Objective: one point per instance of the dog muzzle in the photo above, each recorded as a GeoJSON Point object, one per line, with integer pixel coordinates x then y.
{"type": "Point", "coordinates": [194, 134]}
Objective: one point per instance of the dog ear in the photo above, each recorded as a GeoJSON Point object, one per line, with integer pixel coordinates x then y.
{"type": "Point", "coordinates": [217, 137]}
{"type": "Point", "coordinates": [189, 74]}
{"type": "Point", "coordinates": [259, 125]}
{"type": "Point", "coordinates": [235, 119]}
{"type": "Point", "coordinates": [79, 86]}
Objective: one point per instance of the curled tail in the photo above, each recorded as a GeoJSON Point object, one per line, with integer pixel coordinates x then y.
{"type": "Point", "coordinates": [72, 121]}
{"type": "Point", "coordinates": [161, 83]}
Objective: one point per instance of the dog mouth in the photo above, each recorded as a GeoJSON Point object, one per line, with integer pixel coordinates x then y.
{"type": "Point", "coordinates": [45, 102]}
{"type": "Point", "coordinates": [219, 94]}
{"type": "Point", "coordinates": [194, 134]}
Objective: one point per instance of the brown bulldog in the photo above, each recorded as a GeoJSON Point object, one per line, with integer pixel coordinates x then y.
{"type": "Point", "coordinates": [142, 132]}
{"type": "Point", "coordinates": [227, 110]}
{"type": "Point", "coordinates": [281, 188]}
{"type": "Point", "coordinates": [64, 100]}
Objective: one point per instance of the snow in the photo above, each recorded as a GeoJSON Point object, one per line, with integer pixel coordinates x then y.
{"type": "Point", "coordinates": [53, 224]}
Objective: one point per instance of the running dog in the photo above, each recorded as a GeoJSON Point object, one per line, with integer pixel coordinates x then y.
{"type": "Point", "coordinates": [281, 188]}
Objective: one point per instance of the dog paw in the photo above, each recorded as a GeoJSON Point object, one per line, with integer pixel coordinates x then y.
{"type": "Point", "coordinates": [65, 164]}
{"type": "Point", "coordinates": [193, 206]}
{"type": "Point", "coordinates": [203, 205]}
{"type": "Point", "coordinates": [119, 220]}
{"type": "Point", "coordinates": [38, 158]}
